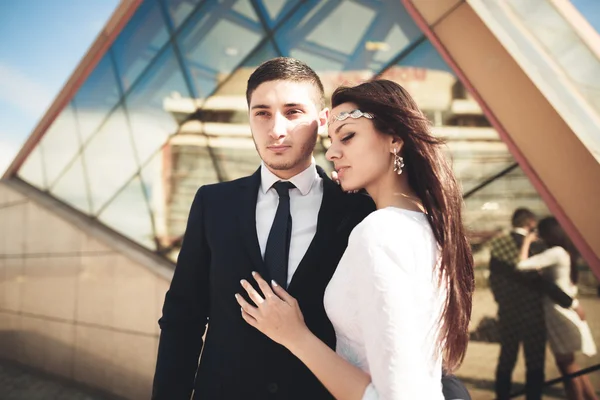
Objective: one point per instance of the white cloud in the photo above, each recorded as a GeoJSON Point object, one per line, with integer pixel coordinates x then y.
{"type": "Point", "coordinates": [23, 92]}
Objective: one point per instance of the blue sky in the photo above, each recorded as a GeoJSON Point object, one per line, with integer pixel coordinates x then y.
{"type": "Point", "coordinates": [42, 43]}
{"type": "Point", "coordinates": [591, 10]}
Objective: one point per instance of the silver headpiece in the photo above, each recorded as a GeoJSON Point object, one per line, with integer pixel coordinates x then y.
{"type": "Point", "coordinates": [351, 114]}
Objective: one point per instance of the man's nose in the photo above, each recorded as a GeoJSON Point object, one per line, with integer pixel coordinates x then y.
{"type": "Point", "coordinates": [279, 126]}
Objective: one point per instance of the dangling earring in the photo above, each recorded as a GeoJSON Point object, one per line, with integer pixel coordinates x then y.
{"type": "Point", "coordinates": [398, 162]}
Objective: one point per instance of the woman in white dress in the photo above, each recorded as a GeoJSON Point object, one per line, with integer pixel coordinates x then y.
{"type": "Point", "coordinates": [400, 299]}
{"type": "Point", "coordinates": [568, 332]}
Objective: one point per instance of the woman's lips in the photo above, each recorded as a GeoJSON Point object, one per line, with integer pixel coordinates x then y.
{"type": "Point", "coordinates": [341, 171]}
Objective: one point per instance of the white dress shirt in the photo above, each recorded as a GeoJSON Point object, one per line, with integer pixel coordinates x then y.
{"type": "Point", "coordinates": [305, 203]}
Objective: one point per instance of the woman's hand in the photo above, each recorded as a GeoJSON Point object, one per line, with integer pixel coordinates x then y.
{"type": "Point", "coordinates": [334, 177]}
{"type": "Point", "coordinates": [580, 312]}
{"type": "Point", "coordinates": [277, 315]}
{"type": "Point", "coordinates": [531, 237]}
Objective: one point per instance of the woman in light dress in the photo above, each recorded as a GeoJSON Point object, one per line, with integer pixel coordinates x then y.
{"type": "Point", "coordinates": [568, 332]}
{"type": "Point", "coordinates": [400, 299]}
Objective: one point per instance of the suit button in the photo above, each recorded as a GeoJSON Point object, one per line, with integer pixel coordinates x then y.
{"type": "Point", "coordinates": [272, 387]}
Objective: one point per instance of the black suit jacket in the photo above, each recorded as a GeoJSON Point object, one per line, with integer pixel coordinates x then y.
{"type": "Point", "coordinates": [220, 247]}
{"type": "Point", "coordinates": [518, 291]}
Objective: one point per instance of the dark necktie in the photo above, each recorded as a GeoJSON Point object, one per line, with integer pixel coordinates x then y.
{"type": "Point", "coordinates": [278, 244]}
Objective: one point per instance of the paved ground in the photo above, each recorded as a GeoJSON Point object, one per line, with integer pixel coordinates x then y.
{"type": "Point", "coordinates": [18, 383]}
{"type": "Point", "coordinates": [480, 363]}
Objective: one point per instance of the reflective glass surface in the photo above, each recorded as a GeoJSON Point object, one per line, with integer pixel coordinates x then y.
{"type": "Point", "coordinates": [32, 169]}
{"type": "Point", "coordinates": [347, 35]}
{"type": "Point", "coordinates": [274, 11]}
{"type": "Point", "coordinates": [96, 97]}
{"type": "Point", "coordinates": [179, 10]}
{"type": "Point", "coordinates": [152, 105]}
{"type": "Point", "coordinates": [60, 143]}
{"type": "Point", "coordinates": [72, 187]}
{"type": "Point", "coordinates": [135, 225]}
{"type": "Point", "coordinates": [139, 42]}
{"type": "Point", "coordinates": [110, 159]}
{"type": "Point", "coordinates": [216, 39]}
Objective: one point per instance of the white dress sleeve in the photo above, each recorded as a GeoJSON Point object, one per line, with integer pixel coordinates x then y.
{"type": "Point", "coordinates": [545, 259]}
{"type": "Point", "coordinates": [395, 319]}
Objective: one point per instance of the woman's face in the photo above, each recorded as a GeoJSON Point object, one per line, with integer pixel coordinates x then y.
{"type": "Point", "coordinates": [360, 153]}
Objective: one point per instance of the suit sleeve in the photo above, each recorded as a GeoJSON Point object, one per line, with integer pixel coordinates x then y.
{"type": "Point", "coordinates": [185, 312]}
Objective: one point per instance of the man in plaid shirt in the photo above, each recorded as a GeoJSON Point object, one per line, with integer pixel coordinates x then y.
{"type": "Point", "coordinates": [519, 295]}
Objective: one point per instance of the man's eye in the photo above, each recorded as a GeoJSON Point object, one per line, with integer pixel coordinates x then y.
{"type": "Point", "coordinates": [294, 111]}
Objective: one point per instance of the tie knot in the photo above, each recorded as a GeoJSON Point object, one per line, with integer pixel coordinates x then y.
{"type": "Point", "coordinates": [283, 188]}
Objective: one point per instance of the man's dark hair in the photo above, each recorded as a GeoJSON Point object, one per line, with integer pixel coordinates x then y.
{"type": "Point", "coordinates": [285, 69]}
{"type": "Point", "coordinates": [521, 217]}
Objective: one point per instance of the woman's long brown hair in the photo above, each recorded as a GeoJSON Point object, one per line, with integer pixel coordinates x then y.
{"type": "Point", "coordinates": [431, 177]}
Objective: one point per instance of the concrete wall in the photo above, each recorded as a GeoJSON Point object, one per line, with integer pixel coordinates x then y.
{"type": "Point", "coordinates": [75, 300]}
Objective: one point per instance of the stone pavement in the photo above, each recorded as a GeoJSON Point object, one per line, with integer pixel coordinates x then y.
{"type": "Point", "coordinates": [20, 383]}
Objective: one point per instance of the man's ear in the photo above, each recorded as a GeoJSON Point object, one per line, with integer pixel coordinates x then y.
{"type": "Point", "coordinates": [323, 119]}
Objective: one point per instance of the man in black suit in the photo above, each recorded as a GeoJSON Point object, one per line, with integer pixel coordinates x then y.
{"type": "Point", "coordinates": [295, 234]}
{"type": "Point", "coordinates": [228, 236]}
{"type": "Point", "coordinates": [520, 295]}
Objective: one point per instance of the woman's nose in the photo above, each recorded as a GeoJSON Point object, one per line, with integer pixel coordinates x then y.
{"type": "Point", "coordinates": [332, 153]}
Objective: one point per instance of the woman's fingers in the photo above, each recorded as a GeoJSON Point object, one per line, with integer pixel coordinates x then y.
{"type": "Point", "coordinates": [246, 307]}
{"type": "Point", "coordinates": [334, 177]}
{"type": "Point", "coordinates": [249, 318]}
{"type": "Point", "coordinates": [263, 285]}
{"type": "Point", "coordinates": [282, 293]}
{"type": "Point", "coordinates": [252, 293]}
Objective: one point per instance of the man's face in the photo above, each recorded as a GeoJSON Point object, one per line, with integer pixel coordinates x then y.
{"type": "Point", "coordinates": [531, 225]}
{"type": "Point", "coordinates": [285, 119]}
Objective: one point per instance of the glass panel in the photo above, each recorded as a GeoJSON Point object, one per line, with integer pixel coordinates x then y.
{"type": "Point", "coordinates": [139, 42]}
{"type": "Point", "coordinates": [179, 10]}
{"type": "Point", "coordinates": [154, 105]}
{"type": "Point", "coordinates": [128, 214]}
{"type": "Point", "coordinates": [489, 210]}
{"type": "Point", "coordinates": [98, 95]}
{"type": "Point", "coordinates": [237, 157]}
{"type": "Point", "coordinates": [243, 7]}
{"type": "Point", "coordinates": [71, 187]}
{"type": "Point", "coordinates": [276, 10]}
{"type": "Point", "coordinates": [32, 170]}
{"type": "Point", "coordinates": [215, 41]}
{"type": "Point", "coordinates": [110, 159]}
{"type": "Point", "coordinates": [346, 35]}
{"type": "Point", "coordinates": [60, 143]}
{"type": "Point", "coordinates": [231, 94]}
{"type": "Point", "coordinates": [187, 165]}
{"type": "Point", "coordinates": [155, 183]}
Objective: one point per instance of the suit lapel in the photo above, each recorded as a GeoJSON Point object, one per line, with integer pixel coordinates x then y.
{"type": "Point", "coordinates": [330, 217]}
{"type": "Point", "coordinates": [247, 220]}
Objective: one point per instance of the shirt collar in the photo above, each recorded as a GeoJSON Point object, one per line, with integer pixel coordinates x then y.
{"type": "Point", "coordinates": [303, 181]}
{"type": "Point", "coordinates": [520, 231]}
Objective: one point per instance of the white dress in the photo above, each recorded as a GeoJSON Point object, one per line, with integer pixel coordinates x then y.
{"type": "Point", "coordinates": [567, 333]}
{"type": "Point", "coordinates": [384, 302]}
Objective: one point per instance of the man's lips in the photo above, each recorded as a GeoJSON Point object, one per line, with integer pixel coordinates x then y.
{"type": "Point", "coordinates": [278, 147]}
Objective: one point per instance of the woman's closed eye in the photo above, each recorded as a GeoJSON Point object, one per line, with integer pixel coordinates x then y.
{"type": "Point", "coordinates": [347, 138]}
